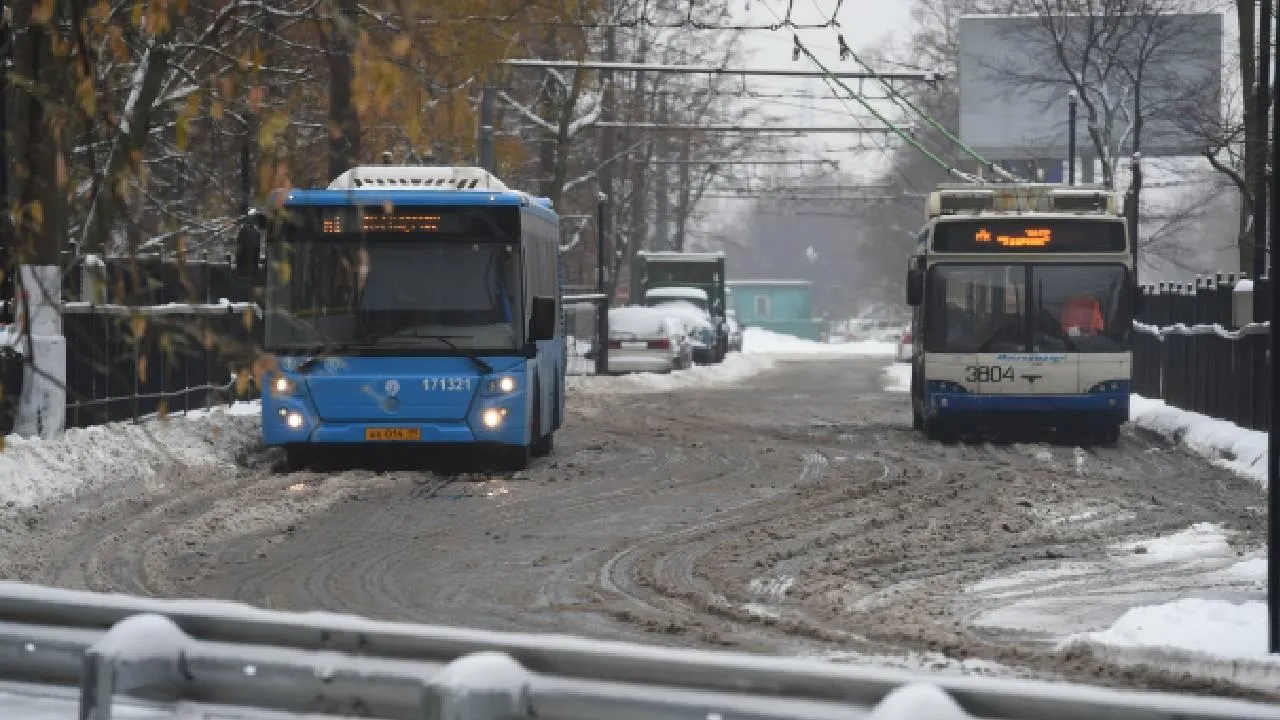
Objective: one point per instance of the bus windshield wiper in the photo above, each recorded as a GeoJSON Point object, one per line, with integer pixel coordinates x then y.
{"type": "Point", "coordinates": [309, 364]}
{"type": "Point", "coordinates": [484, 367]}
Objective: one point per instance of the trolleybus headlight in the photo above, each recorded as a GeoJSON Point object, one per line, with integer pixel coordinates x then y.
{"type": "Point", "coordinates": [493, 417]}
{"type": "Point", "coordinates": [293, 420]}
{"type": "Point", "coordinates": [282, 385]}
{"type": "Point", "coordinates": [504, 384]}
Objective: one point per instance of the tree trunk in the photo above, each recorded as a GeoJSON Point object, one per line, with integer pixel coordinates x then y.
{"type": "Point", "coordinates": [40, 232]}
{"type": "Point", "coordinates": [344, 121]}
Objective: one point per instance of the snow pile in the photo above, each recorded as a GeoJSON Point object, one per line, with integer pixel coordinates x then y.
{"type": "Point", "coordinates": [897, 378]}
{"type": "Point", "coordinates": [758, 341]}
{"type": "Point", "coordinates": [1213, 627]}
{"type": "Point", "coordinates": [1241, 450]}
{"type": "Point", "coordinates": [33, 470]}
{"type": "Point", "coordinates": [734, 369]}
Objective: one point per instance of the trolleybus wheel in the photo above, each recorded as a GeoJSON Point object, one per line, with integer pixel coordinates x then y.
{"type": "Point", "coordinates": [1109, 436]}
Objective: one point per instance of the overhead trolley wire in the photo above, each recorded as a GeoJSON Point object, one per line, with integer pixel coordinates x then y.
{"type": "Point", "coordinates": [901, 99]}
{"type": "Point", "coordinates": [831, 79]}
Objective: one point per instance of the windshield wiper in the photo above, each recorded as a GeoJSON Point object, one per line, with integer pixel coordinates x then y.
{"type": "Point", "coordinates": [484, 367]}
{"type": "Point", "coordinates": [309, 364]}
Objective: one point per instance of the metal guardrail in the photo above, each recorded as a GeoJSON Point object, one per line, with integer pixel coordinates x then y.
{"type": "Point", "coordinates": [228, 654]}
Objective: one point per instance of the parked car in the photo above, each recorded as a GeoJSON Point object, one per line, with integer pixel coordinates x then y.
{"type": "Point", "coordinates": [735, 335]}
{"type": "Point", "coordinates": [698, 325]}
{"type": "Point", "coordinates": [645, 339]}
{"type": "Point", "coordinates": [905, 345]}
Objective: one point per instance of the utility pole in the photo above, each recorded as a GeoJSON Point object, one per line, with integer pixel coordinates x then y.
{"type": "Point", "coordinates": [1072, 111]}
{"type": "Point", "coordinates": [485, 141]}
{"type": "Point", "coordinates": [1262, 107]}
{"type": "Point", "coordinates": [1261, 270]}
{"type": "Point", "coordinates": [684, 193]}
{"type": "Point", "coordinates": [6, 234]}
{"type": "Point", "coordinates": [602, 312]}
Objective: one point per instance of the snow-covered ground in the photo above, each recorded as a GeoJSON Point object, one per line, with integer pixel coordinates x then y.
{"type": "Point", "coordinates": [33, 470]}
{"type": "Point", "coordinates": [758, 341]}
{"type": "Point", "coordinates": [1190, 602]}
{"type": "Point", "coordinates": [1244, 451]}
{"type": "Point", "coordinates": [761, 350]}
{"type": "Point", "coordinates": [897, 377]}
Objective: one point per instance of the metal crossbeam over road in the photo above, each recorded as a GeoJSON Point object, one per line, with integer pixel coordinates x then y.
{"type": "Point", "coordinates": [925, 76]}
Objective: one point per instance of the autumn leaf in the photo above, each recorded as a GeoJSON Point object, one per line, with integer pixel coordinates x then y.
{"type": "Point", "coordinates": [247, 317]}
{"type": "Point", "coordinates": [257, 96]}
{"type": "Point", "coordinates": [210, 339]}
{"type": "Point", "coordinates": [138, 325]}
{"type": "Point", "coordinates": [162, 409]}
{"type": "Point", "coordinates": [101, 11]}
{"type": "Point", "coordinates": [142, 368]}
{"type": "Point", "coordinates": [60, 170]}
{"type": "Point", "coordinates": [42, 12]}
{"type": "Point", "coordinates": [242, 383]}
{"type": "Point", "coordinates": [400, 46]}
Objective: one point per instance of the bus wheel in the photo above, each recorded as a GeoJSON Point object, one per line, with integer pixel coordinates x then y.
{"type": "Point", "coordinates": [297, 457]}
{"type": "Point", "coordinates": [540, 445]}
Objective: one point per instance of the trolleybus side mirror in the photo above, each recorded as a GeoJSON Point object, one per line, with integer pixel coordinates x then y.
{"type": "Point", "coordinates": [915, 286]}
{"type": "Point", "coordinates": [542, 321]}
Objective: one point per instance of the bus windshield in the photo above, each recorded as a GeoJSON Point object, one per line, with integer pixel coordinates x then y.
{"type": "Point", "coordinates": [393, 292]}
{"type": "Point", "coordinates": [1027, 308]}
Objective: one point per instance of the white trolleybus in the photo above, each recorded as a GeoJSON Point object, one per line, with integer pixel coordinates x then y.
{"type": "Point", "coordinates": [1023, 299]}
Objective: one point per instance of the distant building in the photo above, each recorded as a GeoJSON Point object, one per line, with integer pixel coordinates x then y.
{"type": "Point", "coordinates": [781, 306]}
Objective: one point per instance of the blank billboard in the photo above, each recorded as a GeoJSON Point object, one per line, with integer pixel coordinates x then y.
{"type": "Point", "coordinates": [1014, 88]}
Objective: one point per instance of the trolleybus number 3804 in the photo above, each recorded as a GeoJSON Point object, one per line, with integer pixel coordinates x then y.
{"type": "Point", "coordinates": [987, 373]}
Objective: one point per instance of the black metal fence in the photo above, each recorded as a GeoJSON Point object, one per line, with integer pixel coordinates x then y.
{"type": "Point", "coordinates": [1199, 347]}
{"type": "Point", "coordinates": [124, 363]}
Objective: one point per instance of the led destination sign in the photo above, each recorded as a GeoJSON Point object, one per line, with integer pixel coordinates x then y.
{"type": "Point", "coordinates": [410, 220]}
{"type": "Point", "coordinates": [1014, 236]}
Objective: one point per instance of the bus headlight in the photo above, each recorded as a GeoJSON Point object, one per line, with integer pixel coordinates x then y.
{"type": "Point", "coordinates": [493, 417]}
{"type": "Point", "coordinates": [292, 419]}
{"type": "Point", "coordinates": [503, 385]}
{"type": "Point", "coordinates": [282, 385]}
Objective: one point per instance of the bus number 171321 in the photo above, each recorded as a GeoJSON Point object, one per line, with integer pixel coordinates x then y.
{"type": "Point", "coordinates": [987, 373]}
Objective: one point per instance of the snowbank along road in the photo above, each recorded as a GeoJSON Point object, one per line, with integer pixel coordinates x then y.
{"type": "Point", "coordinates": [795, 512]}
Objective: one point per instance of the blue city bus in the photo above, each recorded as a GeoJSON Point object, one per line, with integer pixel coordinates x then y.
{"type": "Point", "coordinates": [413, 306]}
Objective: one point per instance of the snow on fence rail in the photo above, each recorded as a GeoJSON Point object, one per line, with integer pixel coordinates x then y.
{"type": "Point", "coordinates": [104, 650]}
{"type": "Point", "coordinates": [1198, 347]}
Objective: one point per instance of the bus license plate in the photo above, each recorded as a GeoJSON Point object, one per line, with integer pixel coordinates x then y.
{"type": "Point", "coordinates": [392, 434]}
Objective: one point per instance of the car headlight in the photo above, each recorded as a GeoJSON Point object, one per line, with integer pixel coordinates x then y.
{"type": "Point", "coordinates": [502, 385]}
{"type": "Point", "coordinates": [282, 385]}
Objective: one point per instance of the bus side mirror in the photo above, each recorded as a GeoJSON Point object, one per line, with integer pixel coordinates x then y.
{"type": "Point", "coordinates": [542, 321]}
{"type": "Point", "coordinates": [915, 287]}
